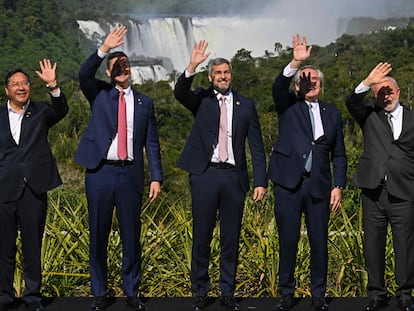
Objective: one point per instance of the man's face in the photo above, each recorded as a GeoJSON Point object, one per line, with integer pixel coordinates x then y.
{"type": "Point", "coordinates": [221, 77]}
{"type": "Point", "coordinates": [18, 89]}
{"type": "Point", "coordinates": [119, 70]}
{"type": "Point", "coordinates": [386, 94]}
{"type": "Point", "coordinates": [313, 93]}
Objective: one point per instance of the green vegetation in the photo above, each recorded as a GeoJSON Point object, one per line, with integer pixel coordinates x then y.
{"type": "Point", "coordinates": [32, 30]}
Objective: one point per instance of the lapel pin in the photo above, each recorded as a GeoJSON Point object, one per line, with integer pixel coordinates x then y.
{"type": "Point", "coordinates": [28, 114]}
{"type": "Point", "coordinates": [237, 103]}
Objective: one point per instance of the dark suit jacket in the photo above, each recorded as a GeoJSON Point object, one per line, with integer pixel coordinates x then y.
{"type": "Point", "coordinates": [102, 126]}
{"type": "Point", "coordinates": [295, 141]}
{"type": "Point", "coordinates": [382, 154]}
{"type": "Point", "coordinates": [203, 137]}
{"type": "Point", "coordinates": [32, 159]}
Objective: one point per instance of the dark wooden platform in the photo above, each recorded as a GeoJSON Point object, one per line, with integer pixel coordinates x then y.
{"type": "Point", "coordinates": [183, 304]}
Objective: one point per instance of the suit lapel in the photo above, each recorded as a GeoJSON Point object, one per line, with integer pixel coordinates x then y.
{"type": "Point", "coordinates": [384, 121]}
{"type": "Point", "coordinates": [5, 123]}
{"type": "Point", "coordinates": [304, 108]}
{"type": "Point", "coordinates": [236, 113]}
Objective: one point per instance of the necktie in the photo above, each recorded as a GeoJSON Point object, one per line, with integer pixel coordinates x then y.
{"type": "Point", "coordinates": [389, 119]}
{"type": "Point", "coordinates": [222, 144]}
{"type": "Point", "coordinates": [308, 164]}
{"type": "Point", "coordinates": [122, 127]}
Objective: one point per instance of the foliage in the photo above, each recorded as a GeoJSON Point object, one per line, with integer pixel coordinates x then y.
{"type": "Point", "coordinates": [166, 251]}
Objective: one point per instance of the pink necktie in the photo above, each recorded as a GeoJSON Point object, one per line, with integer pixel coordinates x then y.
{"type": "Point", "coordinates": [223, 131]}
{"type": "Point", "coordinates": [122, 127]}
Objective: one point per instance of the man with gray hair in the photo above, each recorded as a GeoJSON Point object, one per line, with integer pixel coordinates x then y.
{"type": "Point", "coordinates": [215, 158]}
{"type": "Point", "coordinates": [385, 174]}
{"type": "Point", "coordinates": [310, 142]}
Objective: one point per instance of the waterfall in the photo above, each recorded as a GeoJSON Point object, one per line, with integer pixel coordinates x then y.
{"type": "Point", "coordinates": [168, 41]}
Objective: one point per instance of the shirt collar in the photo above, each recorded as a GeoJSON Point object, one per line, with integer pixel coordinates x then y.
{"type": "Point", "coordinates": [10, 109]}
{"type": "Point", "coordinates": [396, 112]}
{"type": "Point", "coordinates": [126, 91]}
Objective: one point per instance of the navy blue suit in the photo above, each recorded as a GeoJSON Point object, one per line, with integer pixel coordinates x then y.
{"type": "Point", "coordinates": [108, 186]}
{"type": "Point", "coordinates": [214, 189]}
{"type": "Point", "coordinates": [27, 171]}
{"type": "Point", "coordinates": [295, 194]}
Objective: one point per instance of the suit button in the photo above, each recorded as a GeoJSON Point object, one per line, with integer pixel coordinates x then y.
{"type": "Point", "coordinates": [313, 143]}
{"type": "Point", "coordinates": [304, 156]}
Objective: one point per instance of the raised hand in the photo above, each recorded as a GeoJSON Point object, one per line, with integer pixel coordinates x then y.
{"type": "Point", "coordinates": [114, 39]}
{"type": "Point", "coordinates": [47, 71]}
{"type": "Point", "coordinates": [377, 74]}
{"type": "Point", "coordinates": [301, 51]}
{"type": "Point", "coordinates": [198, 55]}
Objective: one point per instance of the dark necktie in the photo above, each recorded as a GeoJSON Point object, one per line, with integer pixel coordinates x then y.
{"type": "Point", "coordinates": [389, 119]}
{"type": "Point", "coordinates": [122, 127]}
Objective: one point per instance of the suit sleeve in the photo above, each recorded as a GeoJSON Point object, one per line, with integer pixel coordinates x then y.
{"type": "Point", "coordinates": [152, 148]}
{"type": "Point", "coordinates": [90, 86]}
{"type": "Point", "coordinates": [257, 151]}
{"type": "Point", "coordinates": [339, 159]}
{"type": "Point", "coordinates": [59, 109]}
{"type": "Point", "coordinates": [357, 107]}
{"type": "Point", "coordinates": [282, 95]}
{"type": "Point", "coordinates": [184, 94]}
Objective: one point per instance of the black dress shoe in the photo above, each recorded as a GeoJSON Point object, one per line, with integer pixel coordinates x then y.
{"type": "Point", "coordinates": [230, 303]}
{"type": "Point", "coordinates": [99, 303]}
{"type": "Point", "coordinates": [406, 305]}
{"type": "Point", "coordinates": [200, 302]}
{"type": "Point", "coordinates": [319, 304]}
{"type": "Point", "coordinates": [135, 303]}
{"type": "Point", "coordinates": [375, 305]}
{"type": "Point", "coordinates": [285, 303]}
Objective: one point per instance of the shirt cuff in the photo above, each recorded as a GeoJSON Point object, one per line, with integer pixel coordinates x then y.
{"type": "Point", "coordinates": [101, 54]}
{"type": "Point", "coordinates": [188, 75]}
{"type": "Point", "coordinates": [361, 88]}
{"type": "Point", "coordinates": [289, 72]}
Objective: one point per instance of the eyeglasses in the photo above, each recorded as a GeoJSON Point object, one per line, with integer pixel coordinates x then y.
{"type": "Point", "coordinates": [16, 85]}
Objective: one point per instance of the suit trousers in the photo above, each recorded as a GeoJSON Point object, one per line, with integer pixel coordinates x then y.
{"type": "Point", "coordinates": [216, 191]}
{"type": "Point", "coordinates": [27, 214]}
{"type": "Point", "coordinates": [379, 210]}
{"type": "Point", "coordinates": [289, 206]}
{"type": "Point", "coordinates": [106, 188]}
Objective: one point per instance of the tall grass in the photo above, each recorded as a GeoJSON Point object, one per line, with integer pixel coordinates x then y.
{"type": "Point", "coordinates": [166, 251]}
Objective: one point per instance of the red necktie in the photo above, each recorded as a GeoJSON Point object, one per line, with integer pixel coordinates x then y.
{"type": "Point", "coordinates": [122, 127]}
{"type": "Point", "coordinates": [223, 155]}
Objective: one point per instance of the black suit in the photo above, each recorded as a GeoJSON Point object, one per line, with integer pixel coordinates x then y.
{"type": "Point", "coordinates": [27, 171]}
{"type": "Point", "coordinates": [385, 173]}
{"type": "Point", "coordinates": [214, 189]}
{"type": "Point", "coordinates": [295, 194]}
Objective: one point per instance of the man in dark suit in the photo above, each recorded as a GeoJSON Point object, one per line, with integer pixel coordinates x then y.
{"type": "Point", "coordinates": [27, 171]}
{"type": "Point", "coordinates": [216, 161]}
{"type": "Point", "coordinates": [310, 140]}
{"type": "Point", "coordinates": [113, 157]}
{"type": "Point", "coordinates": [385, 173]}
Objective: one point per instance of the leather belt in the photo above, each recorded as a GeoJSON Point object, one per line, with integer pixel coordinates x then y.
{"type": "Point", "coordinates": [119, 163]}
{"type": "Point", "coordinates": [221, 165]}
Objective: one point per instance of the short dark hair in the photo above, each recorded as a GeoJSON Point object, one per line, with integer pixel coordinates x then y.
{"type": "Point", "coordinates": [11, 73]}
{"type": "Point", "coordinates": [218, 61]}
{"type": "Point", "coordinates": [113, 55]}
